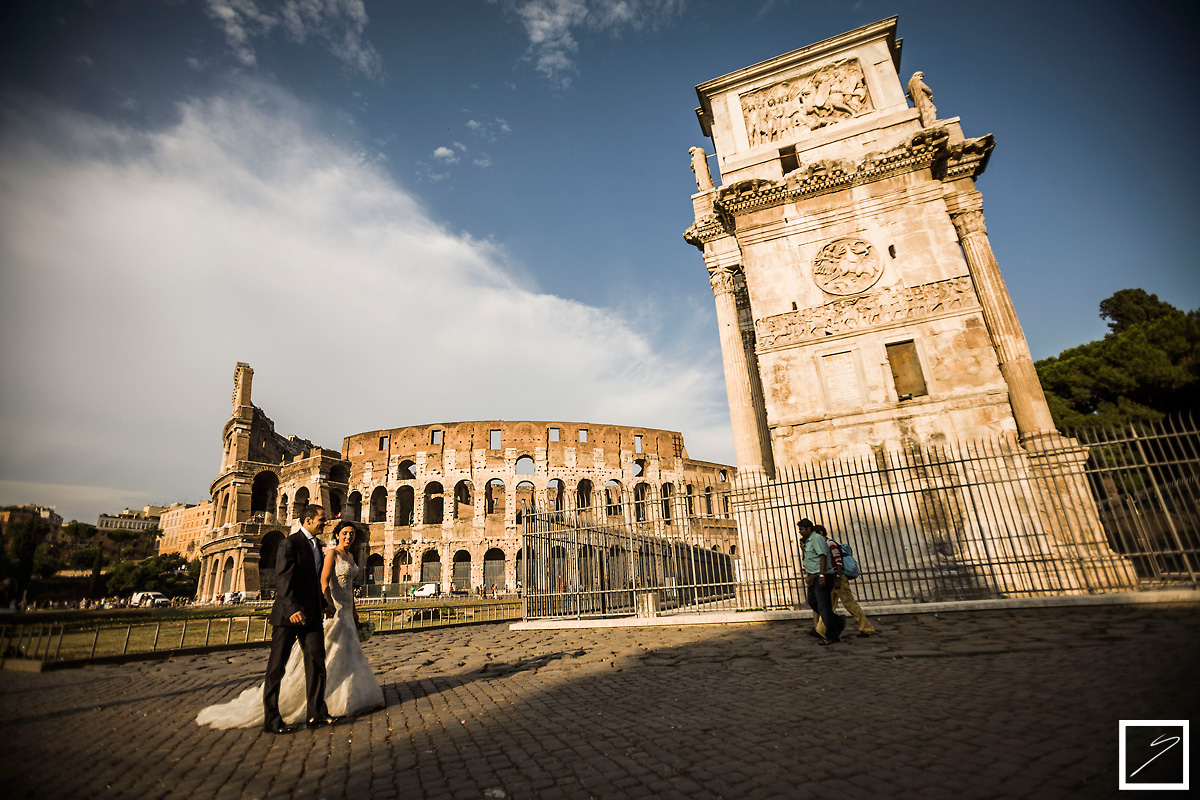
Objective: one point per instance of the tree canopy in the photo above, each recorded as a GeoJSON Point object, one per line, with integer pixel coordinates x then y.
{"type": "Point", "coordinates": [1146, 367]}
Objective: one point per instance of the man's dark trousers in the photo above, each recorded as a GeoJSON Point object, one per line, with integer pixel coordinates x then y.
{"type": "Point", "coordinates": [820, 600]}
{"type": "Point", "coordinates": [312, 643]}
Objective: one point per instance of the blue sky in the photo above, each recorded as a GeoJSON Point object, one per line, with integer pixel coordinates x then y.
{"type": "Point", "coordinates": [410, 212]}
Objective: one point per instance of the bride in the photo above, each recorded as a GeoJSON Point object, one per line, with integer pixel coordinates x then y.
{"type": "Point", "coordinates": [350, 686]}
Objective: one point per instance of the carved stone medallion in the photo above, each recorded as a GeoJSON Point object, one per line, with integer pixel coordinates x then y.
{"type": "Point", "coordinates": [847, 266]}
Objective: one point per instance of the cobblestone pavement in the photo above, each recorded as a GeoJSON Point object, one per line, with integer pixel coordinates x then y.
{"type": "Point", "coordinates": [1003, 704]}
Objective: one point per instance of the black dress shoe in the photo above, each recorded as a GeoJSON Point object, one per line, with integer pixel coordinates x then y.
{"type": "Point", "coordinates": [276, 727]}
{"type": "Point", "coordinates": [324, 719]}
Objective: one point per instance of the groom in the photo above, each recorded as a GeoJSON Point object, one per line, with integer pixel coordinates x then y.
{"type": "Point", "coordinates": [296, 616]}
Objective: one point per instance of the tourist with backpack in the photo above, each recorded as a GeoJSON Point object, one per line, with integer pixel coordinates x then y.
{"type": "Point", "coordinates": [820, 578]}
{"type": "Point", "coordinates": [846, 567]}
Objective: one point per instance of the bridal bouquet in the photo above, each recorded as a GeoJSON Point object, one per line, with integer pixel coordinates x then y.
{"type": "Point", "coordinates": [365, 629]}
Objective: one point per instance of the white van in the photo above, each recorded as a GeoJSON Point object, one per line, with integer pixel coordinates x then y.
{"type": "Point", "coordinates": [149, 599]}
{"type": "Point", "coordinates": [425, 590]}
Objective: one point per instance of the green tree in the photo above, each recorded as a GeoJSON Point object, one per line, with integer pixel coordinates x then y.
{"type": "Point", "coordinates": [163, 573]}
{"type": "Point", "coordinates": [79, 532]}
{"type": "Point", "coordinates": [47, 560]}
{"type": "Point", "coordinates": [23, 539]}
{"type": "Point", "coordinates": [1147, 366]}
{"type": "Point", "coordinates": [85, 558]}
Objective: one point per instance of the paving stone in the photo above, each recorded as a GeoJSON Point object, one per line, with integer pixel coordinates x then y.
{"type": "Point", "coordinates": [952, 706]}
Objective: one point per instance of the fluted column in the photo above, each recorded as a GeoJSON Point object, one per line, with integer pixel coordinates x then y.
{"type": "Point", "coordinates": [1016, 363]}
{"type": "Point", "coordinates": [742, 384]}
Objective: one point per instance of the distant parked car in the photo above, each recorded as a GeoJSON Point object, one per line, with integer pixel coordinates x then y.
{"type": "Point", "coordinates": [426, 590]}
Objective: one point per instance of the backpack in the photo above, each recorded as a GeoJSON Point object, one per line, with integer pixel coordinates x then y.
{"type": "Point", "coordinates": [849, 564]}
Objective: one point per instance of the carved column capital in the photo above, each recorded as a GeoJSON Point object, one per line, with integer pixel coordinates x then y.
{"type": "Point", "coordinates": [723, 279]}
{"type": "Point", "coordinates": [968, 222]}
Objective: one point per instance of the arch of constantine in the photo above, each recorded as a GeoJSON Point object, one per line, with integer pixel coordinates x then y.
{"type": "Point", "coordinates": [443, 503]}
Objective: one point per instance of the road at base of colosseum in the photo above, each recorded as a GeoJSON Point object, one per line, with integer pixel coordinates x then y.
{"type": "Point", "coordinates": [1021, 703]}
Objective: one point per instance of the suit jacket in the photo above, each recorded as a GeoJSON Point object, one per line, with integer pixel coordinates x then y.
{"type": "Point", "coordinates": [297, 583]}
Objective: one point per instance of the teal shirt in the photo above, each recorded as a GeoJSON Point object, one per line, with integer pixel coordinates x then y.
{"type": "Point", "coordinates": [814, 548]}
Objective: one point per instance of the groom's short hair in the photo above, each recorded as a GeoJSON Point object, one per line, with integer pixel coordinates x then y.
{"type": "Point", "coordinates": [310, 512]}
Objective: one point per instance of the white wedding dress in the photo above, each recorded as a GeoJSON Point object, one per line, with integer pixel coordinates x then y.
{"type": "Point", "coordinates": [350, 686]}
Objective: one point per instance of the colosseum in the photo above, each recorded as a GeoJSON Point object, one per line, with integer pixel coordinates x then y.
{"type": "Point", "coordinates": [443, 503]}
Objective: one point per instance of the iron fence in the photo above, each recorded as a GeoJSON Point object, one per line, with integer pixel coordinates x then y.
{"type": "Point", "coordinates": [61, 643]}
{"type": "Point", "coordinates": [1100, 510]}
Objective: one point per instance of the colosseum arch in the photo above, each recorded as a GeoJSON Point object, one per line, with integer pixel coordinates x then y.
{"type": "Point", "coordinates": [525, 498]}
{"type": "Point", "coordinates": [405, 504]}
{"type": "Point", "coordinates": [262, 493]}
{"type": "Point", "coordinates": [378, 505]}
{"type": "Point", "coordinates": [525, 465]}
{"type": "Point", "coordinates": [431, 567]}
{"type": "Point", "coordinates": [402, 567]}
{"type": "Point", "coordinates": [556, 495]}
{"type": "Point", "coordinates": [406, 471]}
{"type": "Point", "coordinates": [690, 496]}
{"type": "Point", "coordinates": [641, 493]}
{"type": "Point", "coordinates": [612, 498]}
{"type": "Point", "coordinates": [583, 494]}
{"type": "Point", "coordinates": [463, 503]}
{"type": "Point", "coordinates": [268, 551]}
{"type": "Point", "coordinates": [493, 569]}
{"type": "Point", "coordinates": [354, 506]}
{"type": "Point", "coordinates": [668, 496]}
{"type": "Point", "coordinates": [282, 514]}
{"type": "Point", "coordinates": [494, 496]}
{"type": "Point", "coordinates": [432, 512]}
{"type": "Point", "coordinates": [708, 501]}
{"type": "Point", "coordinates": [375, 568]}
{"type": "Point", "coordinates": [339, 473]}
{"type": "Point", "coordinates": [335, 503]}
{"type": "Point", "coordinates": [227, 576]}
{"type": "Point", "coordinates": [461, 571]}
{"type": "Point", "coordinates": [300, 503]}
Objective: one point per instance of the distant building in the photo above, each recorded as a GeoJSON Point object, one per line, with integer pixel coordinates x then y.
{"type": "Point", "coordinates": [184, 528]}
{"type": "Point", "coordinates": [128, 520]}
{"type": "Point", "coordinates": [31, 511]}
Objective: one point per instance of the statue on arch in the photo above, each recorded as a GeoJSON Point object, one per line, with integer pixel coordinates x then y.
{"type": "Point", "coordinates": [922, 98]}
{"type": "Point", "coordinates": [704, 180]}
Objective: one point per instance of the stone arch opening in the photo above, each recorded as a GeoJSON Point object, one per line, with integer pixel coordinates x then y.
{"type": "Point", "coordinates": [690, 495]}
{"type": "Point", "coordinates": [525, 466]}
{"type": "Point", "coordinates": [262, 493]}
{"type": "Point", "coordinates": [339, 473]}
{"type": "Point", "coordinates": [378, 505]}
{"type": "Point", "coordinates": [639, 467]}
{"type": "Point", "coordinates": [583, 494]}
{"type": "Point", "coordinates": [493, 570]}
{"type": "Point", "coordinates": [433, 512]}
{"type": "Point", "coordinates": [354, 506]}
{"type": "Point", "coordinates": [641, 492]}
{"type": "Point", "coordinates": [558, 569]}
{"type": "Point", "coordinates": [374, 568]}
{"type": "Point", "coordinates": [405, 503]}
{"type": "Point", "coordinates": [282, 514]}
{"type": "Point", "coordinates": [301, 503]}
{"type": "Point", "coordinates": [268, 551]}
{"type": "Point", "coordinates": [335, 503]}
{"type": "Point", "coordinates": [525, 498]}
{"type": "Point", "coordinates": [227, 576]}
{"type": "Point", "coordinates": [461, 572]}
{"type": "Point", "coordinates": [708, 501]}
{"type": "Point", "coordinates": [406, 471]}
{"type": "Point", "coordinates": [493, 496]}
{"type": "Point", "coordinates": [431, 567]}
{"type": "Point", "coordinates": [612, 498]}
{"type": "Point", "coordinates": [402, 567]}
{"type": "Point", "coordinates": [668, 494]}
{"type": "Point", "coordinates": [556, 492]}
{"type": "Point", "coordinates": [464, 507]}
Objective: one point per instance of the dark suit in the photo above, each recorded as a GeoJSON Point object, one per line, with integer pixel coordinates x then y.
{"type": "Point", "coordinates": [297, 588]}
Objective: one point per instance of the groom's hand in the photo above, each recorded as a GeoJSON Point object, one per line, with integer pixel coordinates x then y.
{"type": "Point", "coordinates": [328, 611]}
{"type": "Point", "coordinates": [297, 618]}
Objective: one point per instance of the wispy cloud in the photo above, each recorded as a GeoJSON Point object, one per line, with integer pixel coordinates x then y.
{"type": "Point", "coordinates": [551, 26]}
{"type": "Point", "coordinates": [488, 128]}
{"type": "Point", "coordinates": [446, 155]}
{"type": "Point", "coordinates": [241, 232]}
{"type": "Point", "coordinates": [338, 23]}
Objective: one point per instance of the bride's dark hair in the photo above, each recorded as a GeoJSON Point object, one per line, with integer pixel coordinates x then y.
{"type": "Point", "coordinates": [338, 529]}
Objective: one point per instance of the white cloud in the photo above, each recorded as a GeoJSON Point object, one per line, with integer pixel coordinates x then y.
{"type": "Point", "coordinates": [339, 23]}
{"type": "Point", "coordinates": [488, 128]}
{"type": "Point", "coordinates": [446, 155]}
{"type": "Point", "coordinates": [141, 266]}
{"type": "Point", "coordinates": [550, 26]}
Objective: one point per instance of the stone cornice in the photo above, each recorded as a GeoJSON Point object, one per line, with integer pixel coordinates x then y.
{"type": "Point", "coordinates": [929, 148]}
